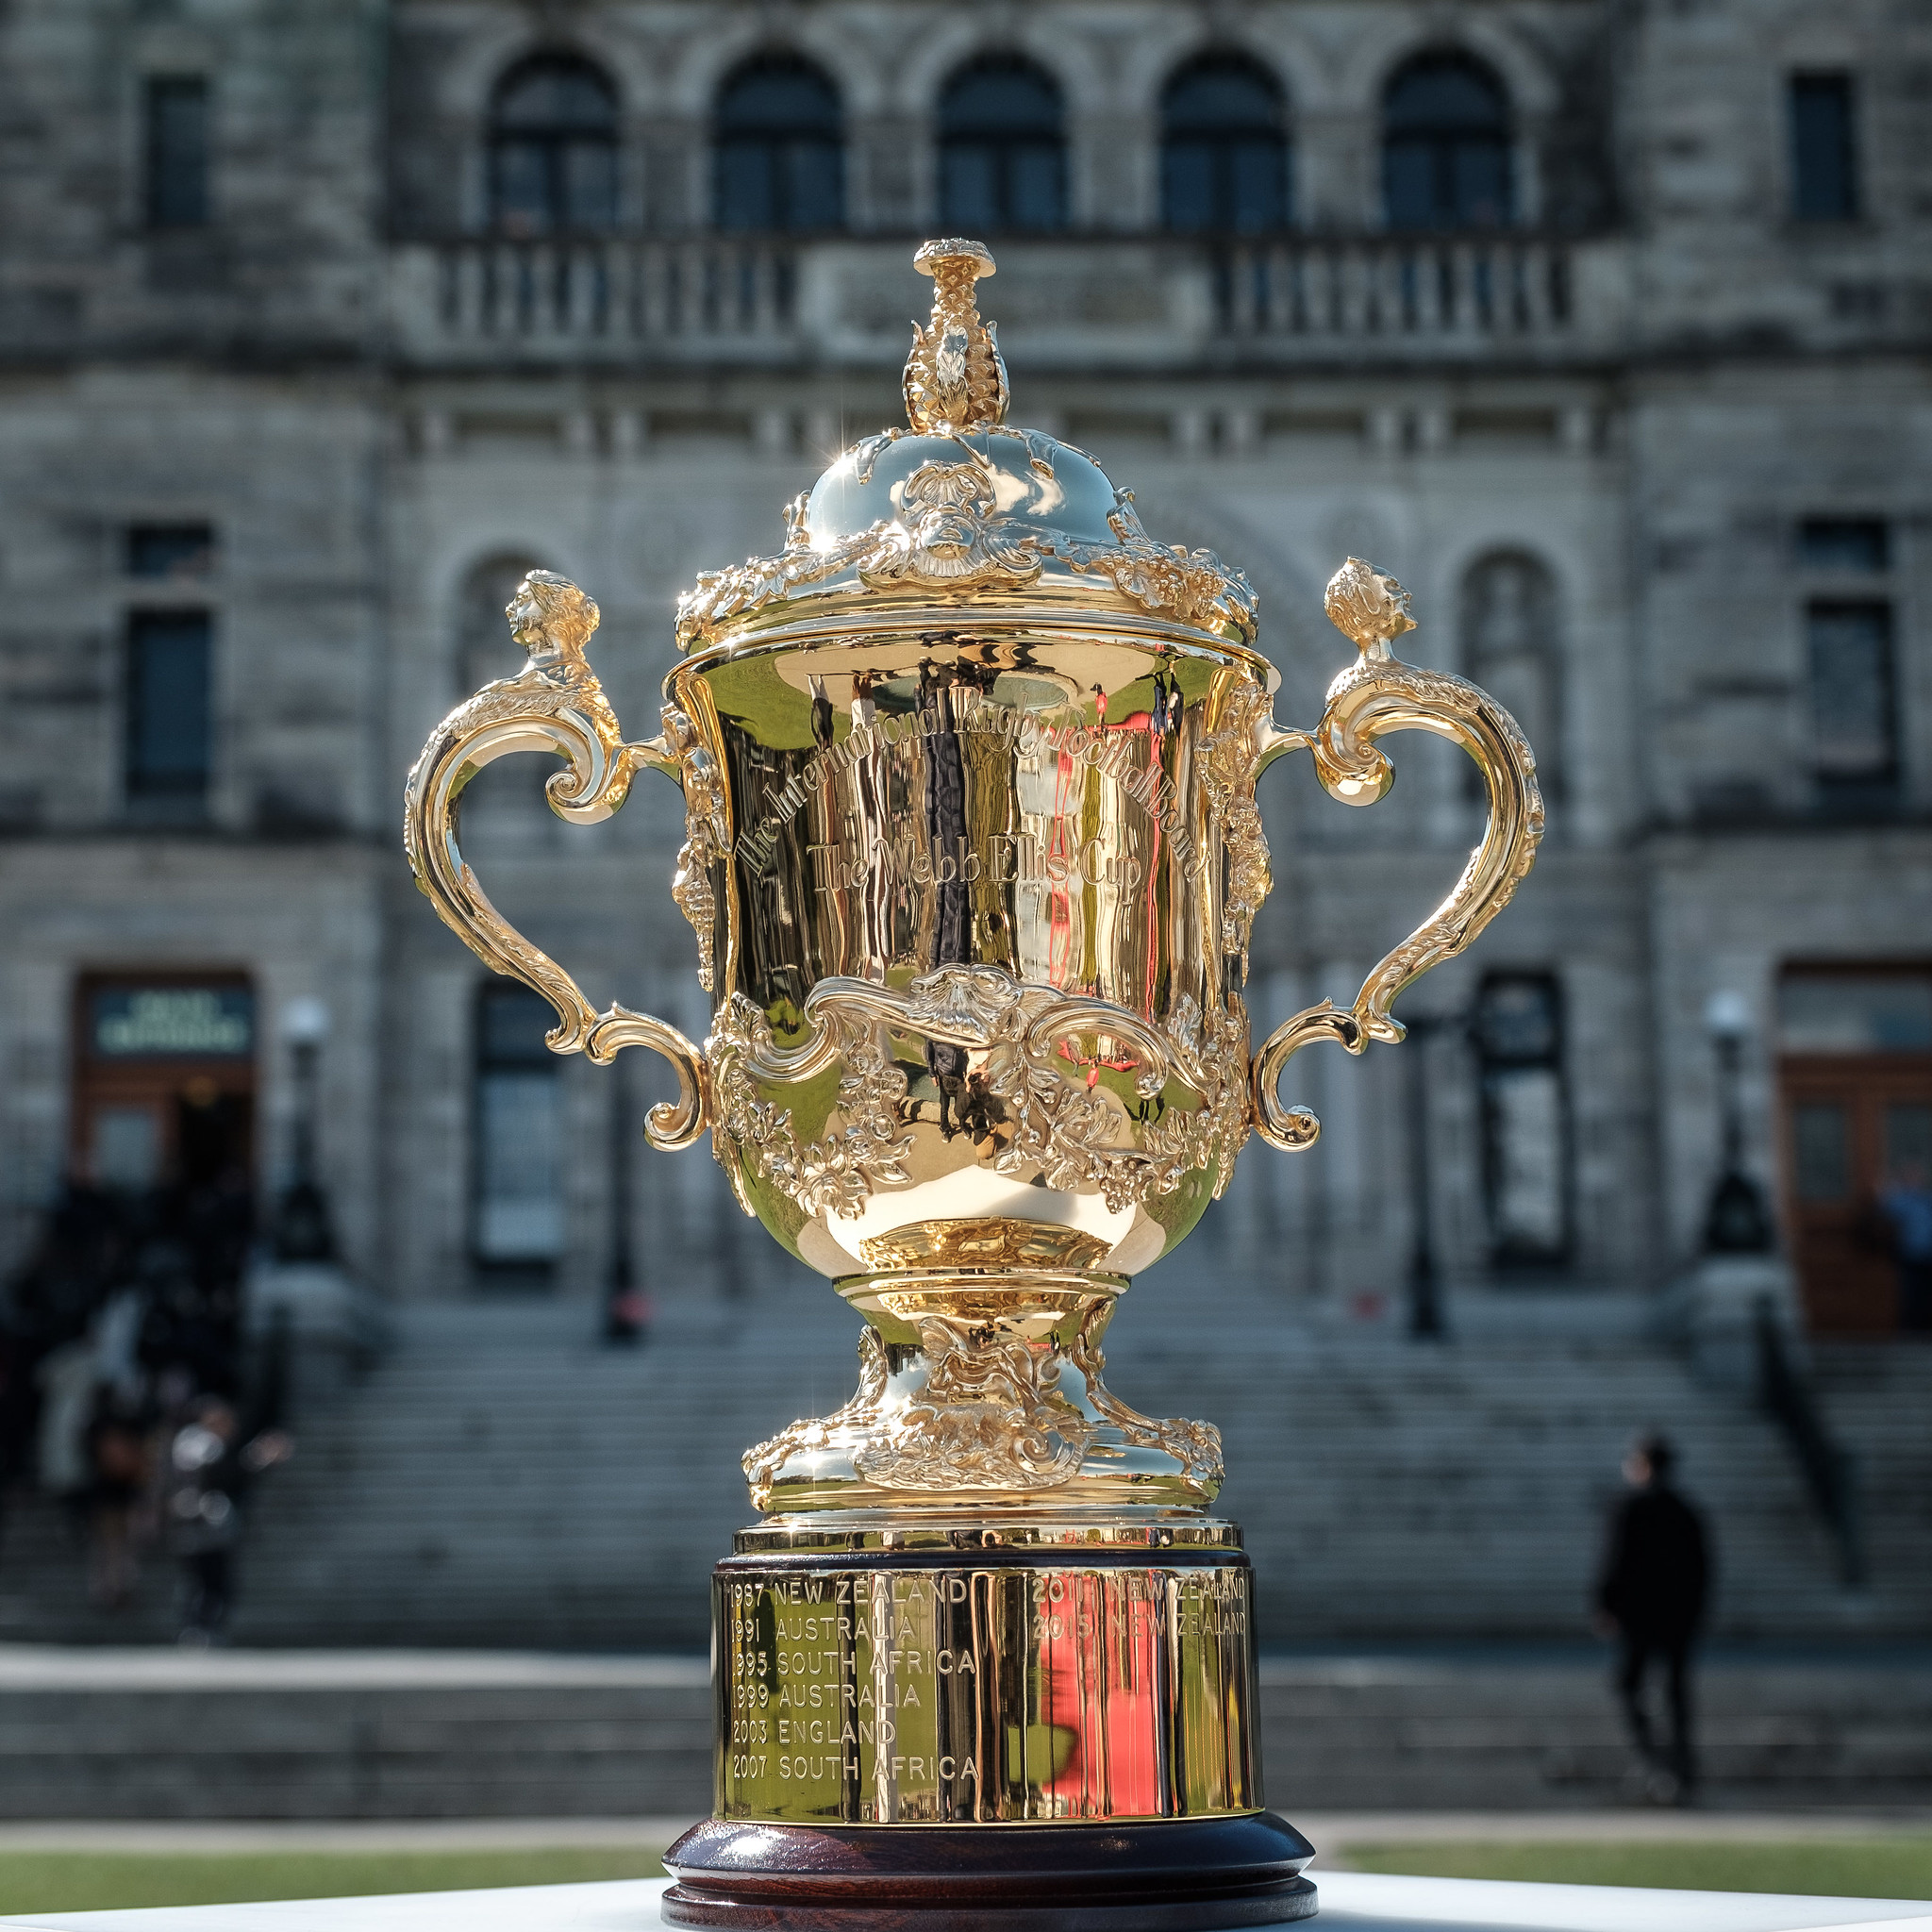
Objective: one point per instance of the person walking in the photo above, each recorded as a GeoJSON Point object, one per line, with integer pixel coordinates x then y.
{"type": "Point", "coordinates": [1906, 1206]}
{"type": "Point", "coordinates": [1652, 1596]}
{"type": "Point", "coordinates": [211, 1464]}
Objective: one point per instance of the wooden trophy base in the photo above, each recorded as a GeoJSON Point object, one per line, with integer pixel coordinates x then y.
{"type": "Point", "coordinates": [1187, 1874]}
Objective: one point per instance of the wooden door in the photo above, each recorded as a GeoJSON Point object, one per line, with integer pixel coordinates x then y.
{"type": "Point", "coordinates": [163, 1081]}
{"type": "Point", "coordinates": [1851, 1122]}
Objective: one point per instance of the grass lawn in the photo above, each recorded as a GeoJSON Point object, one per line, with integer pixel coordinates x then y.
{"type": "Point", "coordinates": [1846, 1868]}
{"type": "Point", "coordinates": [75, 1881]}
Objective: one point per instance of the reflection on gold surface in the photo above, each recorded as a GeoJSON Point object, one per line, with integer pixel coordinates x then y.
{"type": "Point", "coordinates": [983, 1243]}
{"type": "Point", "coordinates": [858, 1692]}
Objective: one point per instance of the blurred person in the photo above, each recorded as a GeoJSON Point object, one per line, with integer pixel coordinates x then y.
{"type": "Point", "coordinates": [211, 1465]}
{"type": "Point", "coordinates": [1904, 1204]}
{"type": "Point", "coordinates": [1652, 1596]}
{"type": "Point", "coordinates": [118, 1442]}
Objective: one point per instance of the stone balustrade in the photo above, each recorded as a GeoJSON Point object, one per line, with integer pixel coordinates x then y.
{"type": "Point", "coordinates": [1087, 302]}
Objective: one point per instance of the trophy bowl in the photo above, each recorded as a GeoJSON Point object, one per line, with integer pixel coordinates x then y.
{"type": "Point", "coordinates": [972, 857]}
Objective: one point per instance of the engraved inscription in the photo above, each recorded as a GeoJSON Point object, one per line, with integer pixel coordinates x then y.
{"type": "Point", "coordinates": [985, 1695]}
{"type": "Point", "coordinates": [1115, 751]}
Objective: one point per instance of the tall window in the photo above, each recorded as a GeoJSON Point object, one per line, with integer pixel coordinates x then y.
{"type": "Point", "coordinates": [780, 156]}
{"type": "Point", "coordinates": [1510, 645]}
{"type": "Point", "coordinates": [1824, 161]}
{"type": "Point", "coordinates": [519, 1180]}
{"type": "Point", "coordinates": [1848, 634]}
{"type": "Point", "coordinates": [176, 144]}
{"type": "Point", "coordinates": [1002, 153]}
{"type": "Point", "coordinates": [1445, 146]}
{"type": "Point", "coordinates": [1224, 155]}
{"type": "Point", "coordinates": [553, 148]}
{"type": "Point", "coordinates": [1518, 1040]}
{"type": "Point", "coordinates": [169, 741]}
{"type": "Point", "coordinates": [1853, 729]}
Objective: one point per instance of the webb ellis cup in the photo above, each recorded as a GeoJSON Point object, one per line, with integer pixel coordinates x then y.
{"type": "Point", "coordinates": [971, 856]}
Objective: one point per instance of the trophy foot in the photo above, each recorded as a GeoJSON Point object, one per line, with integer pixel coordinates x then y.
{"type": "Point", "coordinates": [1184, 1875]}
{"type": "Point", "coordinates": [980, 1391]}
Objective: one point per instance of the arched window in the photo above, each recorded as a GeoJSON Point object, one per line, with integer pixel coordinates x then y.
{"type": "Point", "coordinates": [1224, 148]}
{"type": "Point", "coordinates": [553, 148]}
{"type": "Point", "coordinates": [1509, 643]}
{"type": "Point", "coordinates": [779, 155]}
{"type": "Point", "coordinates": [1445, 145]}
{"type": "Point", "coordinates": [1002, 155]}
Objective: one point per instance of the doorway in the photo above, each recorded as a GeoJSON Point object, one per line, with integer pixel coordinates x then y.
{"type": "Point", "coordinates": [164, 1082]}
{"type": "Point", "coordinates": [1855, 1078]}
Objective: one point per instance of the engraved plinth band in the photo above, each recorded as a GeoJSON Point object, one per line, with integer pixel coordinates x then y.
{"type": "Point", "coordinates": [1021, 1686]}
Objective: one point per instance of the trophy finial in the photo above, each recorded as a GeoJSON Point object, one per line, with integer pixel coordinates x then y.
{"type": "Point", "coordinates": [955, 379]}
{"type": "Point", "coordinates": [1368, 606]}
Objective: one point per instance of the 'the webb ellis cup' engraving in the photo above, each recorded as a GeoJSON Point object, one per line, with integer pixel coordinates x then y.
{"type": "Point", "coordinates": [1050, 851]}
{"type": "Point", "coordinates": [1115, 751]}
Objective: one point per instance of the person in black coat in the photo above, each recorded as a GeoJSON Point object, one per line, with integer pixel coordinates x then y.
{"type": "Point", "coordinates": [1652, 1597]}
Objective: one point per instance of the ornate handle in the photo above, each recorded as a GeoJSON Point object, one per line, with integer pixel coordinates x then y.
{"type": "Point", "coordinates": [554, 704]}
{"type": "Point", "coordinates": [1376, 694]}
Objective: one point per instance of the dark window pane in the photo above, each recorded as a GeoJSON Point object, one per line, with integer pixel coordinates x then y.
{"type": "Point", "coordinates": [969, 177]}
{"type": "Point", "coordinates": [1225, 160]}
{"type": "Point", "coordinates": [1853, 736]}
{"type": "Point", "coordinates": [1220, 98]}
{"type": "Point", "coordinates": [519, 1205]}
{"type": "Point", "coordinates": [1516, 1020]}
{"type": "Point", "coordinates": [1444, 93]}
{"type": "Point", "coordinates": [511, 1026]}
{"type": "Point", "coordinates": [745, 186]}
{"type": "Point", "coordinates": [1848, 543]}
{"type": "Point", "coordinates": [1258, 184]}
{"type": "Point", "coordinates": [554, 149]}
{"type": "Point", "coordinates": [814, 175]}
{"type": "Point", "coordinates": [778, 97]}
{"type": "Point", "coordinates": [1854, 1012]}
{"type": "Point", "coordinates": [1825, 178]}
{"type": "Point", "coordinates": [1909, 1136]}
{"type": "Point", "coordinates": [780, 155]}
{"type": "Point", "coordinates": [589, 184]}
{"type": "Point", "coordinates": [1445, 150]}
{"type": "Point", "coordinates": [1033, 187]}
{"type": "Point", "coordinates": [555, 97]}
{"type": "Point", "coordinates": [1188, 185]}
{"type": "Point", "coordinates": [1000, 152]}
{"type": "Point", "coordinates": [1001, 97]}
{"type": "Point", "coordinates": [1479, 191]}
{"type": "Point", "coordinates": [170, 550]}
{"type": "Point", "coordinates": [1821, 1156]}
{"type": "Point", "coordinates": [177, 153]}
{"type": "Point", "coordinates": [1410, 184]}
{"type": "Point", "coordinates": [168, 734]}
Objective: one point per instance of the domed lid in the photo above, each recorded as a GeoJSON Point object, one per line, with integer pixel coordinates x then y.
{"type": "Point", "coordinates": [960, 508]}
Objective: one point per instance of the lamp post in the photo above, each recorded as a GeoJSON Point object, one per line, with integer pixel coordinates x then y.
{"type": "Point", "coordinates": [303, 1231]}
{"type": "Point", "coordinates": [1425, 1318]}
{"type": "Point", "coordinates": [1738, 1220]}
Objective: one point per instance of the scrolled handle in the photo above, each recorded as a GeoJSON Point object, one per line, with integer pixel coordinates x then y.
{"type": "Point", "coordinates": [554, 704]}
{"type": "Point", "coordinates": [1375, 695]}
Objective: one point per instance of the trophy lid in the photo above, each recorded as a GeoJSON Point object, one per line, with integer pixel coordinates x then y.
{"type": "Point", "coordinates": [959, 507]}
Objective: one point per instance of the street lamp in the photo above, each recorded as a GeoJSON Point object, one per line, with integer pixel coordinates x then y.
{"type": "Point", "coordinates": [1425, 1318]}
{"type": "Point", "coordinates": [1738, 1220]}
{"type": "Point", "coordinates": [303, 1231]}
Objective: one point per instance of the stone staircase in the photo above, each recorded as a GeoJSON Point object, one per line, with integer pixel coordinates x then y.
{"type": "Point", "coordinates": [114, 1733]}
{"type": "Point", "coordinates": [504, 1479]}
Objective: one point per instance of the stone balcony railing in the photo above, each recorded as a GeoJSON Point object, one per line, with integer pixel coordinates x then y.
{"type": "Point", "coordinates": [1074, 302]}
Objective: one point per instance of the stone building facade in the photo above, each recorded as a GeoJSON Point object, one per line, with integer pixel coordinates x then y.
{"type": "Point", "coordinates": [1602, 326]}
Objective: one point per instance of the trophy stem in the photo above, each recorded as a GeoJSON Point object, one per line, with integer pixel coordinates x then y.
{"type": "Point", "coordinates": [982, 1392]}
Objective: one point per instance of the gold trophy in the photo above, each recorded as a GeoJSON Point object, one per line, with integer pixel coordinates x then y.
{"type": "Point", "coordinates": [971, 856]}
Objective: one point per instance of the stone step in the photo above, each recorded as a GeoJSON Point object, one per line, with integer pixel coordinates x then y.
{"type": "Point", "coordinates": [123, 1734]}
